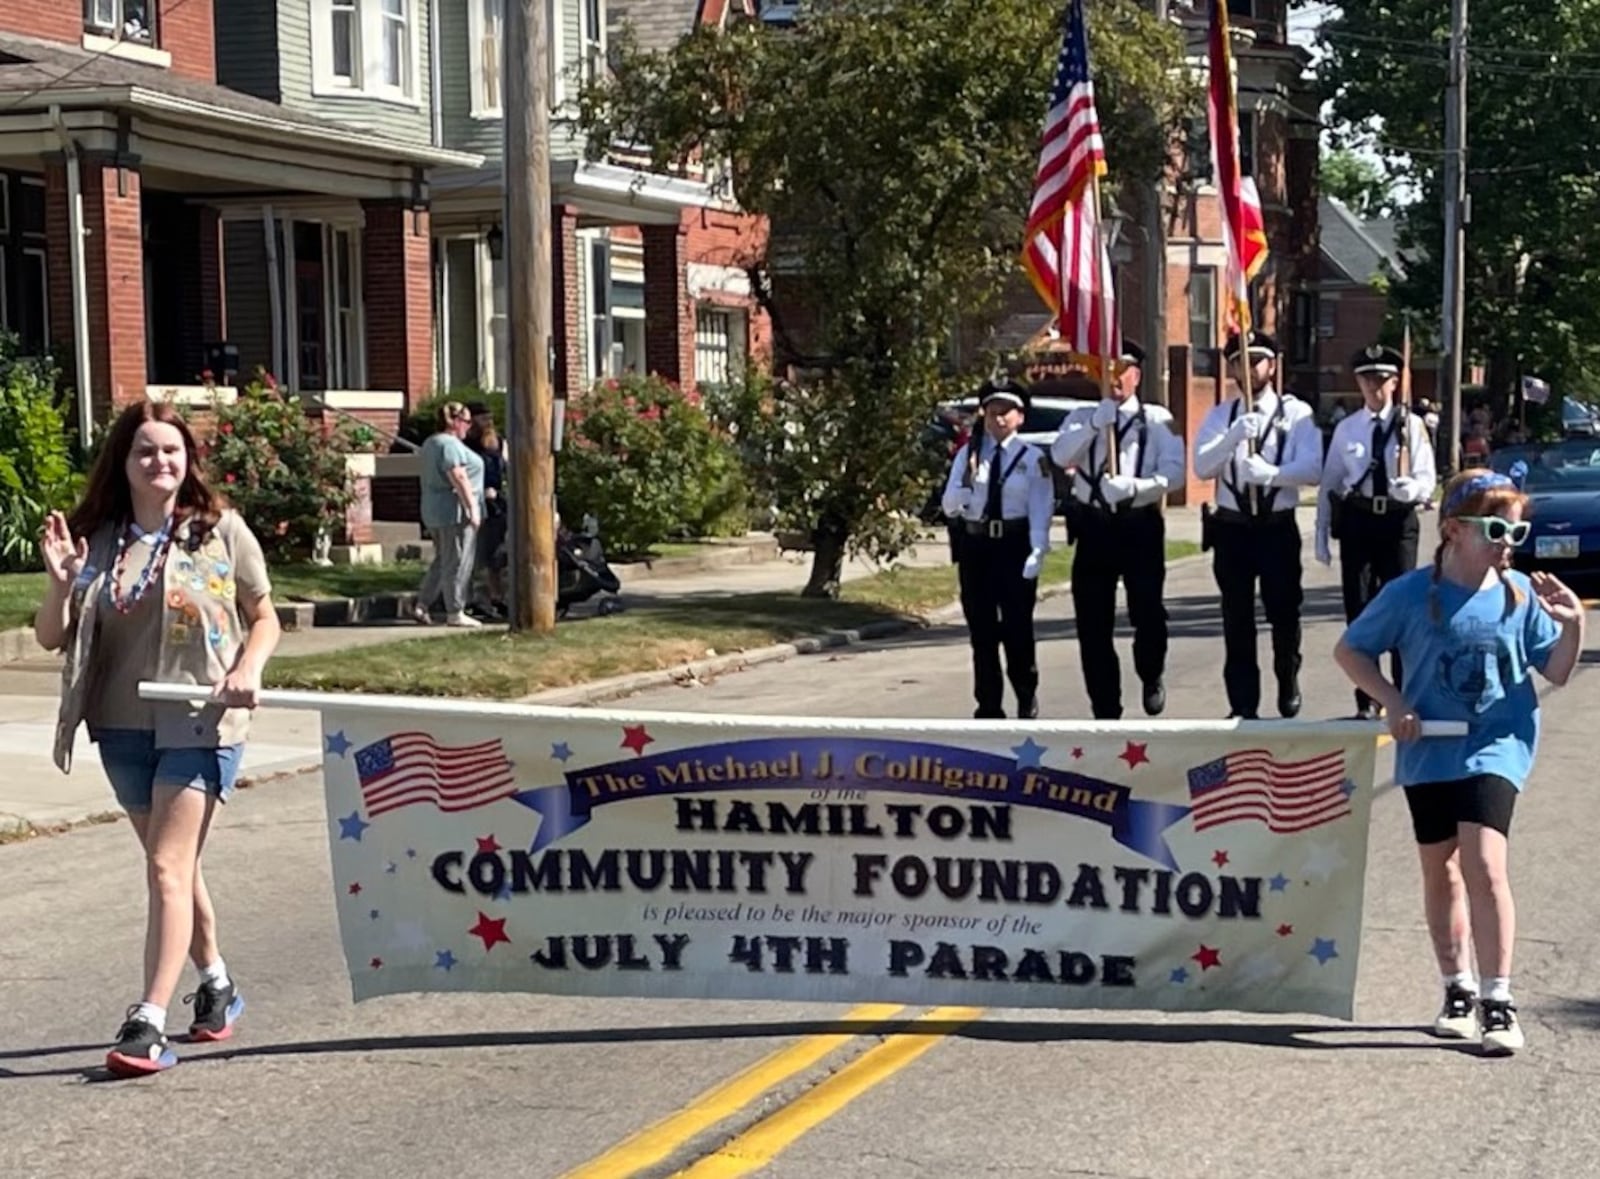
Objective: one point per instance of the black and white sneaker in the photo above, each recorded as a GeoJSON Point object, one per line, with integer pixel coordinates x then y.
{"type": "Point", "coordinates": [1458, 1018]}
{"type": "Point", "coordinates": [1501, 1033]}
{"type": "Point", "coordinates": [141, 1049]}
{"type": "Point", "coordinates": [216, 1008]}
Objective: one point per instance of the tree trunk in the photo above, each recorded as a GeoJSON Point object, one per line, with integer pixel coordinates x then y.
{"type": "Point", "coordinates": [827, 561]}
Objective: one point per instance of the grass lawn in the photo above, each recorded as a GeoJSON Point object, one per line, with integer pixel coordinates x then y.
{"type": "Point", "coordinates": [498, 666]}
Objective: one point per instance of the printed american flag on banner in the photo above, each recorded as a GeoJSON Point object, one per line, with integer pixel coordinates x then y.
{"type": "Point", "coordinates": [1063, 252]}
{"type": "Point", "coordinates": [410, 768]}
{"type": "Point", "coordinates": [1287, 796]}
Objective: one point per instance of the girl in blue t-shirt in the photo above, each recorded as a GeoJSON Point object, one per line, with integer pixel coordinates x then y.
{"type": "Point", "coordinates": [1469, 633]}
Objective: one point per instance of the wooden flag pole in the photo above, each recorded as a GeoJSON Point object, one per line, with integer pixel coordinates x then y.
{"type": "Point", "coordinates": [1403, 454]}
{"type": "Point", "coordinates": [1112, 457]}
{"type": "Point", "coordinates": [1247, 394]}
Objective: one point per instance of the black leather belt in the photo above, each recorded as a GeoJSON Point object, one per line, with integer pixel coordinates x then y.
{"type": "Point", "coordinates": [1235, 516]}
{"type": "Point", "coordinates": [996, 529]}
{"type": "Point", "coordinates": [1377, 505]}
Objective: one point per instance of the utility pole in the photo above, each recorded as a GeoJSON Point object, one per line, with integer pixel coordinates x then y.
{"type": "Point", "coordinates": [1154, 280]}
{"type": "Point", "coordinates": [1456, 216]}
{"type": "Point", "coordinates": [529, 402]}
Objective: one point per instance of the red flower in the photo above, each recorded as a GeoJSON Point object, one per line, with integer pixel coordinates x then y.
{"type": "Point", "coordinates": [651, 413]}
{"type": "Point", "coordinates": [229, 478]}
{"type": "Point", "coordinates": [226, 427]}
{"type": "Point", "coordinates": [269, 381]}
{"type": "Point", "coordinates": [282, 527]}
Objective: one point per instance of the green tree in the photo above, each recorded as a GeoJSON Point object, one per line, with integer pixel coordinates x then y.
{"type": "Point", "coordinates": [892, 143]}
{"type": "Point", "coordinates": [1533, 247]}
{"type": "Point", "coordinates": [1357, 181]}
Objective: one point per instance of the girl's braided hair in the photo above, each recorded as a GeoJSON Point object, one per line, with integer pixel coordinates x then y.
{"type": "Point", "coordinates": [1476, 493]}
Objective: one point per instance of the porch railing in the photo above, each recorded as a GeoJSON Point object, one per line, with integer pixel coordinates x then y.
{"type": "Point", "coordinates": [316, 402]}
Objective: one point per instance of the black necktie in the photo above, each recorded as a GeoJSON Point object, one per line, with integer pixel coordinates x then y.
{"type": "Point", "coordinates": [1380, 461]}
{"type": "Point", "coordinates": [993, 508]}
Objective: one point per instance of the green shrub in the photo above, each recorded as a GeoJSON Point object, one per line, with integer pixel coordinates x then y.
{"type": "Point", "coordinates": [277, 468]}
{"type": "Point", "coordinates": [649, 464]}
{"type": "Point", "coordinates": [423, 421]}
{"type": "Point", "coordinates": [36, 469]}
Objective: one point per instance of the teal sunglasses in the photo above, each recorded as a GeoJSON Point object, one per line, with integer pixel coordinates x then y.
{"type": "Point", "coordinates": [1499, 530]}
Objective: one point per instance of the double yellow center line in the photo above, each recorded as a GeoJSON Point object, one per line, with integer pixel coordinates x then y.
{"type": "Point", "coordinates": [761, 1143]}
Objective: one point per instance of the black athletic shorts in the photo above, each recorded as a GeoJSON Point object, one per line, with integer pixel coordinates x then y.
{"type": "Point", "coordinates": [1437, 807]}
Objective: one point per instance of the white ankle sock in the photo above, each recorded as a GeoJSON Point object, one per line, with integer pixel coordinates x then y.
{"type": "Point", "coordinates": [1499, 989]}
{"type": "Point", "coordinates": [155, 1016]}
{"type": "Point", "coordinates": [216, 973]}
{"type": "Point", "coordinates": [1464, 980]}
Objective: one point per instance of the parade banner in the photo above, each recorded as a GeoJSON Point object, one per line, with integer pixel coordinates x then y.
{"type": "Point", "coordinates": [1174, 866]}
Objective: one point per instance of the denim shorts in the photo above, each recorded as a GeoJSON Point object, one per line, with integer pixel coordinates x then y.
{"type": "Point", "coordinates": [136, 767]}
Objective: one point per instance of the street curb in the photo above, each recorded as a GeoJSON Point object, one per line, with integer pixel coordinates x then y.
{"type": "Point", "coordinates": [307, 614]}
{"type": "Point", "coordinates": [700, 670]}
{"type": "Point", "coordinates": [18, 644]}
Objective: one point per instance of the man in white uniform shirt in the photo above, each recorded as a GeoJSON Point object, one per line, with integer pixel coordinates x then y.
{"type": "Point", "coordinates": [1120, 532]}
{"type": "Point", "coordinates": [1365, 502]}
{"type": "Point", "coordinates": [1001, 497]}
{"type": "Point", "coordinates": [1260, 460]}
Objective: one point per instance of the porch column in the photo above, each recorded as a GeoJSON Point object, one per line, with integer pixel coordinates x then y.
{"type": "Point", "coordinates": [113, 245]}
{"type": "Point", "coordinates": [567, 380]}
{"type": "Point", "coordinates": [398, 299]}
{"type": "Point", "coordinates": [213, 288]}
{"type": "Point", "coordinates": [668, 309]}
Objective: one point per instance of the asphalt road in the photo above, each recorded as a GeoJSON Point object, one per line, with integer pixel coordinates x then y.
{"type": "Point", "coordinates": [537, 1086]}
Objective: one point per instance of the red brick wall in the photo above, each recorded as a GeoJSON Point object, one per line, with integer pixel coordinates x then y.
{"type": "Point", "coordinates": [114, 260]}
{"type": "Point", "coordinates": [58, 241]}
{"type": "Point", "coordinates": [668, 313]}
{"type": "Point", "coordinates": [399, 300]}
{"type": "Point", "coordinates": [736, 240]}
{"type": "Point", "coordinates": [1190, 398]}
{"type": "Point", "coordinates": [566, 305]}
{"type": "Point", "coordinates": [54, 20]}
{"type": "Point", "coordinates": [187, 31]}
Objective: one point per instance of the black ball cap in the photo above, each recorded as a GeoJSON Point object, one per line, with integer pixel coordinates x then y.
{"type": "Point", "coordinates": [1005, 390]}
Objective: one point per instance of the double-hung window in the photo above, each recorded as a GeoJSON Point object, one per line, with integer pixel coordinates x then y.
{"type": "Point", "coordinates": [121, 20]}
{"type": "Point", "coordinates": [486, 55]}
{"type": "Point", "coordinates": [366, 47]}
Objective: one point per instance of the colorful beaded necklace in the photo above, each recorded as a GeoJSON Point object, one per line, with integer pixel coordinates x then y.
{"type": "Point", "coordinates": [160, 545]}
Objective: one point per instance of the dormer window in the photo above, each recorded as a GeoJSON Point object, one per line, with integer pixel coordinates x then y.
{"type": "Point", "coordinates": [132, 21]}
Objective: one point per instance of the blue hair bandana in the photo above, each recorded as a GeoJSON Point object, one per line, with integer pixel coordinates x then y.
{"type": "Point", "coordinates": [1489, 481]}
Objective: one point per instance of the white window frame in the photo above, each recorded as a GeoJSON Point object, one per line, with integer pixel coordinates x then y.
{"type": "Point", "coordinates": [367, 52]}
{"type": "Point", "coordinates": [43, 256]}
{"type": "Point", "coordinates": [592, 60]}
{"type": "Point", "coordinates": [111, 27]}
{"type": "Point", "coordinates": [477, 37]}
{"type": "Point", "coordinates": [719, 345]}
{"type": "Point", "coordinates": [346, 324]}
{"type": "Point", "coordinates": [597, 305]}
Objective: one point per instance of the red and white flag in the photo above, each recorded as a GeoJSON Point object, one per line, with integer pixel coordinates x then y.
{"type": "Point", "coordinates": [1244, 230]}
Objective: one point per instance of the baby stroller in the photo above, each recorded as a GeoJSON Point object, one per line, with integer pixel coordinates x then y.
{"type": "Point", "coordinates": [582, 572]}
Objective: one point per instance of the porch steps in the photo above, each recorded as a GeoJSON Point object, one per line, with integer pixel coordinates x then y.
{"type": "Point", "coordinates": [401, 541]}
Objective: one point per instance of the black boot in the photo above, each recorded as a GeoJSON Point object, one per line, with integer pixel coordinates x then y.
{"type": "Point", "coordinates": [1155, 697]}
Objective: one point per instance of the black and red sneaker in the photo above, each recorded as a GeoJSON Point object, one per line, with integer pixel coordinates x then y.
{"type": "Point", "coordinates": [216, 1008]}
{"type": "Point", "coordinates": [141, 1049]}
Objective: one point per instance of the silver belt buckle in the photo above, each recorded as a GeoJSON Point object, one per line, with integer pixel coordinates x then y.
{"type": "Point", "coordinates": [1380, 505]}
{"type": "Point", "coordinates": [997, 529]}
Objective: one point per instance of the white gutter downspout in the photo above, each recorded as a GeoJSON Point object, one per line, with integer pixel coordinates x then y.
{"type": "Point", "coordinates": [435, 69]}
{"type": "Point", "coordinates": [269, 232]}
{"type": "Point", "coordinates": [80, 281]}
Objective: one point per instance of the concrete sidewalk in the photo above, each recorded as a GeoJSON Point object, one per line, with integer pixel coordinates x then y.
{"type": "Point", "coordinates": [35, 794]}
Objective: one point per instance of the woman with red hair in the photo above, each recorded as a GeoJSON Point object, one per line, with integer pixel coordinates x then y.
{"type": "Point", "coordinates": [153, 577]}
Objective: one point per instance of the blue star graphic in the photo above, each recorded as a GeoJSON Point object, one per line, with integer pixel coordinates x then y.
{"type": "Point", "coordinates": [411, 853]}
{"type": "Point", "coordinates": [373, 914]}
{"type": "Point", "coordinates": [1029, 753]}
{"type": "Point", "coordinates": [1347, 787]}
{"type": "Point", "coordinates": [561, 751]}
{"type": "Point", "coordinates": [338, 743]}
{"type": "Point", "coordinates": [1322, 949]}
{"type": "Point", "coordinates": [1179, 976]}
{"type": "Point", "coordinates": [504, 894]}
{"type": "Point", "coordinates": [352, 825]}
{"type": "Point", "coordinates": [391, 868]}
{"type": "Point", "coordinates": [444, 960]}
{"type": "Point", "coordinates": [1278, 883]}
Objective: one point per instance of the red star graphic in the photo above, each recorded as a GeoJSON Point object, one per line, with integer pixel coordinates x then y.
{"type": "Point", "coordinates": [355, 889]}
{"type": "Point", "coordinates": [1220, 858]}
{"type": "Point", "coordinates": [1285, 930]}
{"type": "Point", "coordinates": [635, 738]}
{"type": "Point", "coordinates": [491, 929]}
{"type": "Point", "coordinates": [1135, 754]}
{"type": "Point", "coordinates": [1207, 957]}
{"type": "Point", "coordinates": [488, 846]}
{"type": "Point", "coordinates": [376, 964]}
{"type": "Point", "coordinates": [1077, 752]}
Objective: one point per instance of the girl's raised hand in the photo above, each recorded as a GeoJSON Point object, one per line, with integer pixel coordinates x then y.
{"type": "Point", "coordinates": [64, 556]}
{"type": "Point", "coordinates": [1557, 598]}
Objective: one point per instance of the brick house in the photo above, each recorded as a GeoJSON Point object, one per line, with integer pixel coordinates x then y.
{"type": "Point", "coordinates": [650, 268]}
{"type": "Point", "coordinates": [195, 215]}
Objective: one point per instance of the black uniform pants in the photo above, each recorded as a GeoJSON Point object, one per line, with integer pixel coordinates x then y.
{"type": "Point", "coordinates": [1373, 551]}
{"type": "Point", "coordinates": [998, 603]}
{"type": "Point", "coordinates": [1130, 546]}
{"type": "Point", "coordinates": [1244, 552]}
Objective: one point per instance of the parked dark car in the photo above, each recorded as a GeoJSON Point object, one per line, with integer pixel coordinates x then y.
{"type": "Point", "coordinates": [1578, 419]}
{"type": "Point", "coordinates": [1563, 479]}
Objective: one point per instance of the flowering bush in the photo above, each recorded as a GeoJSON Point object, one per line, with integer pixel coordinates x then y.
{"type": "Point", "coordinates": [280, 471]}
{"type": "Point", "coordinates": [645, 459]}
{"type": "Point", "coordinates": [36, 469]}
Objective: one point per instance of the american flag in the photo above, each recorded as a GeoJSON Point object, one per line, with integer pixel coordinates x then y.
{"type": "Point", "coordinates": [1288, 796]}
{"type": "Point", "coordinates": [1244, 230]}
{"type": "Point", "coordinates": [1063, 253]}
{"type": "Point", "coordinates": [409, 768]}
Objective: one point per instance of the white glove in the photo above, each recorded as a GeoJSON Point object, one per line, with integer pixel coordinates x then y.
{"type": "Point", "coordinates": [1248, 427]}
{"type": "Point", "coordinates": [1105, 414]}
{"type": "Point", "coordinates": [1405, 489]}
{"type": "Point", "coordinates": [1355, 460]}
{"type": "Point", "coordinates": [1030, 567]}
{"type": "Point", "coordinates": [1116, 489]}
{"type": "Point", "coordinates": [1258, 471]}
{"type": "Point", "coordinates": [1324, 550]}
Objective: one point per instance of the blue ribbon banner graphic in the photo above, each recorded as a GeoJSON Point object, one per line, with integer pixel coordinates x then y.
{"type": "Point", "coordinates": [812, 763]}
